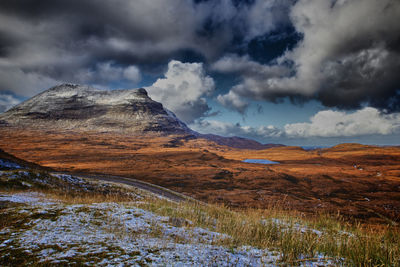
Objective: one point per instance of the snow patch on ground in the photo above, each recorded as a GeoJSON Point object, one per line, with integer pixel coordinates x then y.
{"type": "Point", "coordinates": [31, 198]}
{"type": "Point", "coordinates": [69, 178]}
{"type": "Point", "coordinates": [293, 226]}
{"type": "Point", "coordinates": [108, 234]}
{"type": "Point", "coordinates": [4, 164]}
{"type": "Point", "coordinates": [123, 234]}
{"type": "Point", "coordinates": [14, 174]}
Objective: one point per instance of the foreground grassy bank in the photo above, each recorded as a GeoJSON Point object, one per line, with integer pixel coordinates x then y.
{"type": "Point", "coordinates": [296, 238]}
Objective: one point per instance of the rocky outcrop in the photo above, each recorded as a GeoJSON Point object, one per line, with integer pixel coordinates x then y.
{"type": "Point", "coordinates": [77, 107]}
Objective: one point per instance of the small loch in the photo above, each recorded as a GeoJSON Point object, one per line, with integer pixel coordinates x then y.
{"type": "Point", "coordinates": [260, 161]}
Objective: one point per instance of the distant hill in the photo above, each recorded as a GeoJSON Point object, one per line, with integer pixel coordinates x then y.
{"type": "Point", "coordinates": [349, 147]}
{"type": "Point", "coordinates": [238, 142]}
{"type": "Point", "coordinates": [8, 161]}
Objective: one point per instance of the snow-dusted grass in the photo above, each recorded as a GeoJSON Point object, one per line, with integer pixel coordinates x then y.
{"type": "Point", "coordinates": [110, 233]}
{"type": "Point", "coordinates": [78, 221]}
{"type": "Point", "coordinates": [5, 164]}
{"type": "Point", "coordinates": [31, 198]}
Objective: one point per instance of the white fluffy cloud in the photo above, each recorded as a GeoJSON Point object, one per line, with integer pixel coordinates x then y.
{"type": "Point", "coordinates": [230, 129]}
{"type": "Point", "coordinates": [367, 121]}
{"type": "Point", "coordinates": [324, 124]}
{"type": "Point", "coordinates": [183, 90]}
{"type": "Point", "coordinates": [233, 101]}
{"type": "Point", "coordinates": [132, 73]}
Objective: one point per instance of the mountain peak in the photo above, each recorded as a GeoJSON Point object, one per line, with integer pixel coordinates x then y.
{"type": "Point", "coordinates": [80, 107]}
{"type": "Point", "coordinates": [75, 90]}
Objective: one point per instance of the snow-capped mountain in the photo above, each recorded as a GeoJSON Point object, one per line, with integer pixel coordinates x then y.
{"type": "Point", "coordinates": [77, 107]}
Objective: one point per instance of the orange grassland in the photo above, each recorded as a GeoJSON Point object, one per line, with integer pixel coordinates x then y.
{"type": "Point", "coordinates": [360, 182]}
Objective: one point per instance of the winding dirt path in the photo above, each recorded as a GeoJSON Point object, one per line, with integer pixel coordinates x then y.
{"type": "Point", "coordinates": [155, 189]}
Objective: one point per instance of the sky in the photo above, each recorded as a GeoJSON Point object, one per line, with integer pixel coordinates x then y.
{"type": "Point", "coordinates": [297, 72]}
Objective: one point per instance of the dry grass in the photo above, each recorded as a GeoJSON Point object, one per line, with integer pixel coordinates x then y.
{"type": "Point", "coordinates": [274, 227]}
{"type": "Point", "coordinates": [290, 234]}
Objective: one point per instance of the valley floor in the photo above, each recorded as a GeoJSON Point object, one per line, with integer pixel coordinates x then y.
{"type": "Point", "coordinates": [360, 182]}
{"type": "Point", "coordinates": [54, 219]}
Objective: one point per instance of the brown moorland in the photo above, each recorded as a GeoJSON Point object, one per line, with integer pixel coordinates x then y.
{"type": "Point", "coordinates": [360, 182]}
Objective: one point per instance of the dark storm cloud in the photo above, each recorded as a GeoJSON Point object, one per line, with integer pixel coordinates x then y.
{"type": "Point", "coordinates": [347, 56]}
{"type": "Point", "coordinates": [213, 23]}
{"type": "Point", "coordinates": [44, 42]}
{"type": "Point", "coordinates": [268, 47]}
